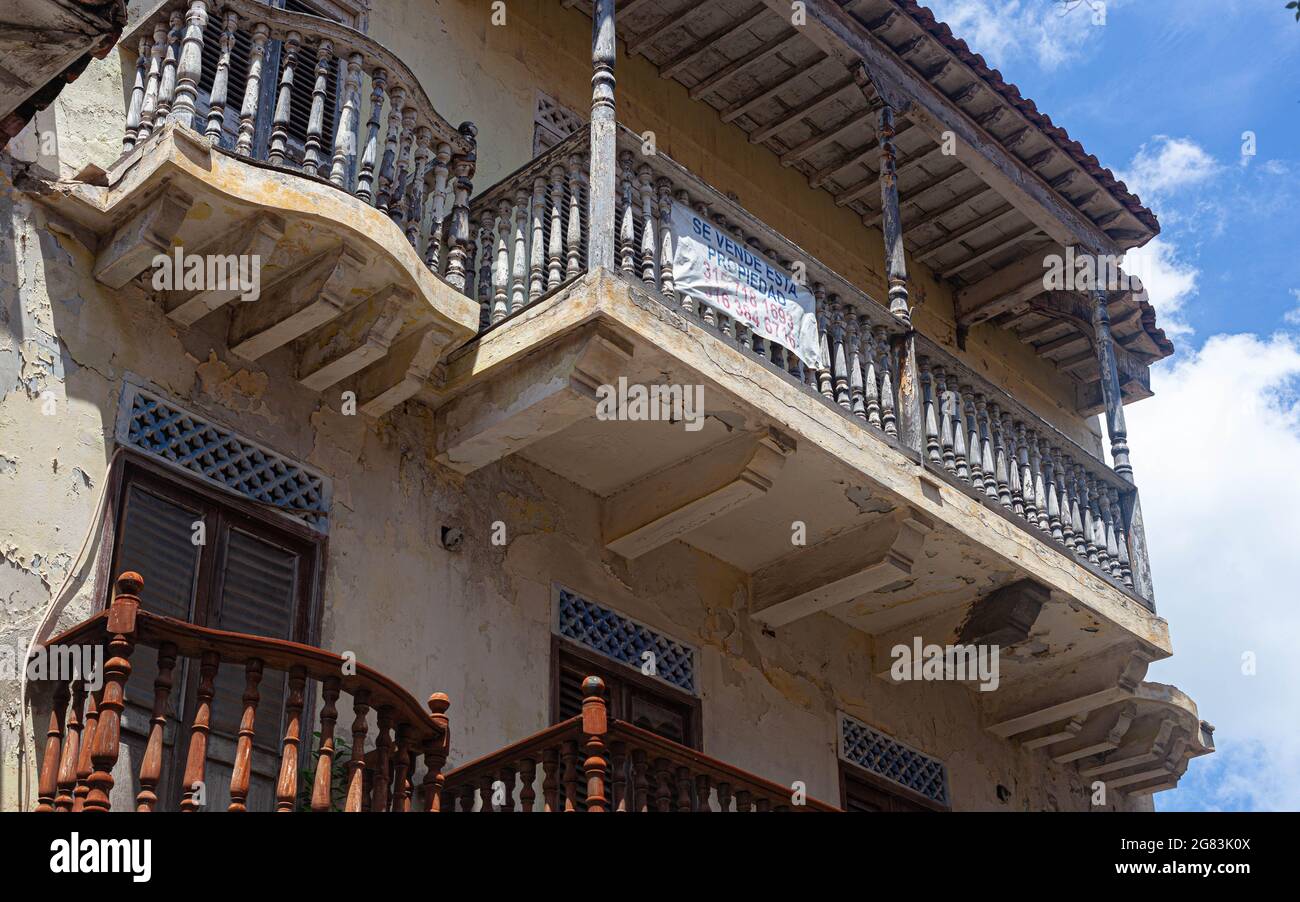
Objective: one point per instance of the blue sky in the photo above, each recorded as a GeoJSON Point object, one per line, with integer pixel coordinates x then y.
{"type": "Point", "coordinates": [1162, 92]}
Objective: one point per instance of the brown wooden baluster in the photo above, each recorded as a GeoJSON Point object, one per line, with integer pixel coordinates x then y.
{"type": "Point", "coordinates": [527, 774]}
{"type": "Point", "coordinates": [286, 787]}
{"type": "Point", "coordinates": [570, 777]}
{"type": "Point", "coordinates": [48, 784]}
{"type": "Point", "coordinates": [619, 763]}
{"type": "Point", "coordinates": [763, 805]}
{"type": "Point", "coordinates": [242, 773]}
{"type": "Point", "coordinates": [703, 789]}
{"type": "Point", "coordinates": [507, 777]}
{"type": "Point", "coordinates": [401, 767]}
{"type": "Point", "coordinates": [743, 800]}
{"type": "Point", "coordinates": [82, 787]}
{"type": "Point", "coordinates": [196, 759]}
{"type": "Point", "coordinates": [663, 785]}
{"type": "Point", "coordinates": [683, 789]}
{"type": "Point", "coordinates": [435, 753]}
{"type": "Point", "coordinates": [724, 796]}
{"type": "Point", "coordinates": [151, 765]}
{"type": "Point", "coordinates": [551, 779]}
{"type": "Point", "coordinates": [640, 781]}
{"type": "Point", "coordinates": [357, 764]}
{"type": "Point", "coordinates": [117, 669]}
{"type": "Point", "coordinates": [485, 792]}
{"type": "Point", "coordinates": [67, 782]}
{"type": "Point", "coordinates": [593, 728]}
{"type": "Point", "coordinates": [323, 784]}
{"type": "Point", "coordinates": [467, 798]}
{"type": "Point", "coordinates": [383, 748]}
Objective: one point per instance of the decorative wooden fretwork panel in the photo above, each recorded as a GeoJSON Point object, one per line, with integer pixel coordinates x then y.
{"type": "Point", "coordinates": [886, 757]}
{"type": "Point", "coordinates": [552, 123]}
{"type": "Point", "coordinates": [159, 427]}
{"type": "Point", "coordinates": [624, 640]}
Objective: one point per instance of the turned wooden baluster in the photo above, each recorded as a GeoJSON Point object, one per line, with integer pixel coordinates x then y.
{"type": "Point", "coordinates": [942, 405]}
{"type": "Point", "coordinates": [974, 445]}
{"type": "Point", "coordinates": [684, 799]}
{"type": "Point", "coordinates": [724, 796]}
{"type": "Point", "coordinates": [435, 183]}
{"type": "Point", "coordinates": [888, 419]}
{"type": "Point", "coordinates": [311, 153]}
{"type": "Point", "coordinates": [929, 393]}
{"type": "Point", "coordinates": [279, 148]}
{"type": "Point", "coordinates": [763, 804]}
{"type": "Point", "coordinates": [1111, 563]}
{"type": "Point", "coordinates": [196, 759]}
{"type": "Point", "coordinates": [366, 169]}
{"type": "Point", "coordinates": [467, 792]}
{"type": "Point", "coordinates": [120, 627]}
{"type": "Point", "coordinates": [392, 138]}
{"type": "Point", "coordinates": [667, 279]}
{"type": "Point", "coordinates": [987, 466]}
{"type": "Point", "coordinates": [551, 779]}
{"type": "Point", "coordinates": [252, 90]}
{"type": "Point", "coordinates": [436, 751]}
{"type": "Point", "coordinates": [460, 253]}
{"type": "Point", "coordinates": [618, 775]}
{"type": "Point", "coordinates": [1038, 510]}
{"type": "Point", "coordinates": [398, 200]}
{"type": "Point", "coordinates": [640, 781]}
{"type": "Point", "coordinates": [401, 768]}
{"type": "Point", "coordinates": [189, 67]}
{"type": "Point", "coordinates": [151, 765]}
{"type": "Point", "coordinates": [383, 753]}
{"type": "Point", "coordinates": [649, 237]}
{"type": "Point", "coordinates": [1026, 474]}
{"type": "Point", "coordinates": [519, 256]}
{"type": "Point", "coordinates": [241, 775]}
{"type": "Point", "coordinates": [501, 269]}
{"type": "Point", "coordinates": [527, 775]}
{"type": "Point", "coordinates": [487, 236]}
{"type": "Point", "coordinates": [167, 82]}
{"type": "Point", "coordinates": [286, 787]}
{"type": "Point", "coordinates": [357, 763]}
{"type": "Point", "coordinates": [840, 366]}
{"type": "Point", "coordinates": [135, 108]}
{"type": "Point", "coordinates": [743, 800]}
{"type": "Point", "coordinates": [594, 723]}
{"type": "Point", "coordinates": [1078, 545]}
{"type": "Point", "coordinates": [1062, 471]}
{"type": "Point", "coordinates": [323, 782]}
{"type": "Point", "coordinates": [149, 118]}
{"type": "Point", "coordinates": [703, 791]}
{"type": "Point", "coordinates": [1121, 539]}
{"type": "Point", "coordinates": [81, 789]}
{"type": "Point", "coordinates": [854, 339]}
{"type": "Point", "coordinates": [1098, 525]}
{"type": "Point", "coordinates": [487, 794]}
{"type": "Point", "coordinates": [48, 782]}
{"type": "Point", "coordinates": [67, 779]}
{"type": "Point", "coordinates": [555, 247]}
{"type": "Point", "coordinates": [627, 224]}
{"type": "Point", "coordinates": [663, 784]}
{"type": "Point", "coordinates": [1053, 500]}
{"type": "Point", "coordinates": [1013, 465]}
{"type": "Point", "coordinates": [871, 376]}
{"type": "Point", "coordinates": [957, 413]}
{"type": "Point", "coordinates": [345, 134]}
{"type": "Point", "coordinates": [573, 236]}
{"type": "Point", "coordinates": [569, 756]}
{"type": "Point", "coordinates": [219, 95]}
{"type": "Point", "coordinates": [1085, 505]}
{"type": "Point", "coordinates": [537, 241]}
{"type": "Point", "coordinates": [413, 205]}
{"type": "Point", "coordinates": [825, 384]}
{"type": "Point", "coordinates": [1001, 477]}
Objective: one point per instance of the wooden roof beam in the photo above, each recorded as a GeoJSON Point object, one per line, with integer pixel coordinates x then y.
{"type": "Point", "coordinates": [703, 46]}
{"type": "Point", "coordinates": [839, 34]}
{"type": "Point", "coordinates": [757, 55]}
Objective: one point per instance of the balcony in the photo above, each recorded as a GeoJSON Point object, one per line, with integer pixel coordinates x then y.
{"type": "Point", "coordinates": [83, 768]}
{"type": "Point", "coordinates": [356, 242]}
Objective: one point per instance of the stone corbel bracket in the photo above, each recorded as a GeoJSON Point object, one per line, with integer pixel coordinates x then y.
{"type": "Point", "coordinates": [840, 569]}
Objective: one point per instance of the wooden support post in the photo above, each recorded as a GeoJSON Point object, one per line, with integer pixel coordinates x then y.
{"type": "Point", "coordinates": [604, 139]}
{"type": "Point", "coordinates": [1110, 391]}
{"type": "Point", "coordinates": [593, 729]}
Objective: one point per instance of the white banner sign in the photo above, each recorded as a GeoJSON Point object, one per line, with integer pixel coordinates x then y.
{"type": "Point", "coordinates": [716, 269]}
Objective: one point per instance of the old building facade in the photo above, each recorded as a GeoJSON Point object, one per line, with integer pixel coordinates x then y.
{"type": "Point", "coordinates": [331, 319]}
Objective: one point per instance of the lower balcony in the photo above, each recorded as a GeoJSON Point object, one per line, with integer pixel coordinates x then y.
{"type": "Point", "coordinates": [390, 758]}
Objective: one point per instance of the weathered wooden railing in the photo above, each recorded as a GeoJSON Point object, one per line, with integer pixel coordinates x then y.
{"type": "Point", "coordinates": [83, 740]}
{"type": "Point", "coordinates": [592, 763]}
{"type": "Point", "coordinates": [988, 441]}
{"type": "Point", "coordinates": [532, 232]}
{"type": "Point", "coordinates": [418, 169]}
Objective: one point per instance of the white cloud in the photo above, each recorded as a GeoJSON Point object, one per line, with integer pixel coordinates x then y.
{"type": "Point", "coordinates": [1215, 451]}
{"type": "Point", "coordinates": [1051, 34]}
{"type": "Point", "coordinates": [1293, 316]}
{"type": "Point", "coordinates": [1166, 166]}
{"type": "Point", "coordinates": [1169, 281]}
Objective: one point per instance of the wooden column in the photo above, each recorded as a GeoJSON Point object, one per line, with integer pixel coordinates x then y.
{"type": "Point", "coordinates": [604, 139]}
{"type": "Point", "coordinates": [1110, 391]}
{"type": "Point", "coordinates": [593, 731]}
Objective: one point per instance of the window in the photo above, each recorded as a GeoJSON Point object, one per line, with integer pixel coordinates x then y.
{"type": "Point", "coordinates": [638, 700]}
{"type": "Point", "coordinates": [862, 791]}
{"type": "Point", "coordinates": [217, 561]}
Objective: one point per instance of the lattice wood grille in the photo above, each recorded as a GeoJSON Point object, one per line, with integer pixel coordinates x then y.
{"type": "Point", "coordinates": [624, 640]}
{"type": "Point", "coordinates": [163, 429]}
{"type": "Point", "coordinates": [885, 756]}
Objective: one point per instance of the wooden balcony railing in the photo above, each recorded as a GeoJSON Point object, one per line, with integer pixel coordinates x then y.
{"type": "Point", "coordinates": [531, 234]}
{"type": "Point", "coordinates": [592, 763]}
{"type": "Point", "coordinates": [416, 168]}
{"type": "Point", "coordinates": [83, 740]}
